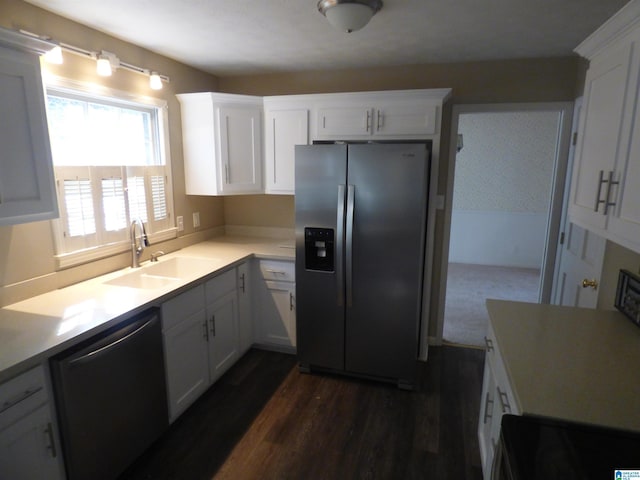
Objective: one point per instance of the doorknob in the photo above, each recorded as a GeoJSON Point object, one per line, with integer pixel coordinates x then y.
{"type": "Point", "coordinates": [590, 283]}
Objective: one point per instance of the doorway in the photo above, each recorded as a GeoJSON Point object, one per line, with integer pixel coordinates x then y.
{"type": "Point", "coordinates": [507, 179]}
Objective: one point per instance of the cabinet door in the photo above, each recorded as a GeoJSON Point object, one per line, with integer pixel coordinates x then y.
{"type": "Point", "coordinates": [240, 150]}
{"type": "Point", "coordinates": [406, 119]}
{"type": "Point", "coordinates": [624, 224]}
{"type": "Point", "coordinates": [27, 190]}
{"type": "Point", "coordinates": [276, 313]}
{"type": "Point", "coordinates": [186, 362]}
{"type": "Point", "coordinates": [603, 136]}
{"type": "Point", "coordinates": [284, 130]}
{"type": "Point", "coordinates": [224, 344]}
{"type": "Point", "coordinates": [245, 325]}
{"type": "Point", "coordinates": [335, 123]}
{"type": "Point", "coordinates": [28, 449]}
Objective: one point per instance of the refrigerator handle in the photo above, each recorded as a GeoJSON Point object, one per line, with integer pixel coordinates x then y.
{"type": "Point", "coordinates": [340, 245]}
{"type": "Point", "coordinates": [349, 244]}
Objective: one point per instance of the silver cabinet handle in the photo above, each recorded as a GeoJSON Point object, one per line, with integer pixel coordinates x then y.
{"type": "Point", "coordinates": [488, 412]}
{"type": "Point", "coordinates": [206, 330]}
{"type": "Point", "coordinates": [601, 180]}
{"type": "Point", "coordinates": [52, 443]}
{"type": "Point", "coordinates": [213, 325]}
{"type": "Point", "coordinates": [504, 401]}
{"type": "Point", "coordinates": [275, 272]}
{"type": "Point", "coordinates": [226, 173]}
{"type": "Point", "coordinates": [340, 244]}
{"type": "Point", "coordinates": [378, 120]}
{"type": "Point", "coordinates": [607, 196]}
{"type": "Point", "coordinates": [243, 280]}
{"type": "Point", "coordinates": [369, 127]}
{"type": "Point", "coordinates": [291, 301]}
{"type": "Point", "coordinates": [489, 343]}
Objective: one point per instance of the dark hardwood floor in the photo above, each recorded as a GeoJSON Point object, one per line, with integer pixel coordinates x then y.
{"type": "Point", "coordinates": [264, 419]}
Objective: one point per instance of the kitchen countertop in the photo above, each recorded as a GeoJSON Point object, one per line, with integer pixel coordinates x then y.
{"type": "Point", "coordinates": [37, 328]}
{"type": "Point", "coordinates": [572, 363]}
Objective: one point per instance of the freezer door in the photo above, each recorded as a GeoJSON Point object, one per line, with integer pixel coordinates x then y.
{"type": "Point", "coordinates": [319, 205]}
{"type": "Point", "coordinates": [387, 186]}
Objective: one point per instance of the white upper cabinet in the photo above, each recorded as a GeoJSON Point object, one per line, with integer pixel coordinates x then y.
{"type": "Point", "coordinates": [284, 129]}
{"type": "Point", "coordinates": [407, 114]}
{"type": "Point", "coordinates": [27, 191]}
{"type": "Point", "coordinates": [222, 143]}
{"type": "Point", "coordinates": [605, 186]}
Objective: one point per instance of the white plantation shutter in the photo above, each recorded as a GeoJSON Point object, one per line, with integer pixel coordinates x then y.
{"type": "Point", "coordinates": [158, 197]}
{"type": "Point", "coordinates": [137, 195]}
{"type": "Point", "coordinates": [127, 177]}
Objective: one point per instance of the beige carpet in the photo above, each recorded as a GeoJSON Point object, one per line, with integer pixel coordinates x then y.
{"type": "Point", "coordinates": [468, 286]}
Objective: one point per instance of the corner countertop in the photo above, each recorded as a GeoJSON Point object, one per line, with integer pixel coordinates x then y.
{"type": "Point", "coordinates": [572, 363]}
{"type": "Point", "coordinates": [37, 328]}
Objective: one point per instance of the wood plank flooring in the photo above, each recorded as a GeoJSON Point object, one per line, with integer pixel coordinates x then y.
{"type": "Point", "coordinates": [264, 419]}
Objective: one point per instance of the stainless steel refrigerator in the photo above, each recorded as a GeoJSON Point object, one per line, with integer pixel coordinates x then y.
{"type": "Point", "coordinates": [360, 234]}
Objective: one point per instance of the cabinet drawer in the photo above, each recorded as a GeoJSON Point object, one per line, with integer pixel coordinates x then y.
{"type": "Point", "coordinates": [21, 395]}
{"type": "Point", "coordinates": [278, 271]}
{"type": "Point", "coordinates": [183, 306]}
{"type": "Point", "coordinates": [220, 285]}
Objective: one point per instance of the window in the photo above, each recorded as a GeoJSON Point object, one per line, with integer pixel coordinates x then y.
{"type": "Point", "coordinates": [110, 163]}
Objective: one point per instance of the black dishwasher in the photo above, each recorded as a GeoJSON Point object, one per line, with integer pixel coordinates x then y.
{"type": "Point", "coordinates": [111, 397]}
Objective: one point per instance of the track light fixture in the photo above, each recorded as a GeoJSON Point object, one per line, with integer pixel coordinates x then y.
{"type": "Point", "coordinates": [106, 62]}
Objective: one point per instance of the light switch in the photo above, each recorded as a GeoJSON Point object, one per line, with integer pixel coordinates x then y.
{"type": "Point", "coordinates": [196, 219]}
{"type": "Point", "coordinates": [180, 222]}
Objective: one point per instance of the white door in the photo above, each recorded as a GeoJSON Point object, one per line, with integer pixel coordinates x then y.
{"type": "Point", "coordinates": [580, 268]}
{"type": "Point", "coordinates": [580, 253]}
{"type": "Point", "coordinates": [224, 342]}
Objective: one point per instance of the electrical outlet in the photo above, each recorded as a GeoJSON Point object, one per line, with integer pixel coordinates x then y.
{"type": "Point", "coordinates": [196, 219]}
{"type": "Point", "coordinates": [180, 221]}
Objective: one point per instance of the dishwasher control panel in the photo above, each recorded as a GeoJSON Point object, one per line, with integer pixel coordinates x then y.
{"type": "Point", "coordinates": [628, 295]}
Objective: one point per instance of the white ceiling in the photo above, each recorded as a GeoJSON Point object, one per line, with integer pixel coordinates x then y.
{"type": "Point", "coordinates": [231, 37]}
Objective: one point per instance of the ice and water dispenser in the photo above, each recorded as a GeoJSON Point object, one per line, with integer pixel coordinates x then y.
{"type": "Point", "coordinates": [319, 249]}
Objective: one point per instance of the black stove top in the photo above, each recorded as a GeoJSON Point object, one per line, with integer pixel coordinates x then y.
{"type": "Point", "coordinates": [536, 448]}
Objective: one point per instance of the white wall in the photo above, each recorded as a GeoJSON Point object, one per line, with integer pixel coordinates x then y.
{"type": "Point", "coordinates": [502, 188]}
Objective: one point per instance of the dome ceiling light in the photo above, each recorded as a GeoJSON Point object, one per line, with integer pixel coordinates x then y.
{"type": "Point", "coordinates": [349, 15]}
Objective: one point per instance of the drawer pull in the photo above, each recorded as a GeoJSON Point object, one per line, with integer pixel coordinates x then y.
{"type": "Point", "coordinates": [504, 401]}
{"type": "Point", "coordinates": [23, 396]}
{"type": "Point", "coordinates": [52, 444]}
{"type": "Point", "coordinates": [275, 272]}
{"type": "Point", "coordinates": [489, 343]}
{"type": "Point", "coordinates": [488, 402]}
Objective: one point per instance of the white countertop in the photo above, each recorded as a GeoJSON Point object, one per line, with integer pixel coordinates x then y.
{"type": "Point", "coordinates": [37, 328]}
{"type": "Point", "coordinates": [571, 363]}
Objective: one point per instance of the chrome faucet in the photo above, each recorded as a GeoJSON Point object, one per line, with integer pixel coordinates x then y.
{"type": "Point", "coordinates": [137, 247]}
{"type": "Point", "coordinates": [155, 255]}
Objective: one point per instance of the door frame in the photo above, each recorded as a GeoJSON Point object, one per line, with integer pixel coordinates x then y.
{"type": "Point", "coordinates": [565, 110]}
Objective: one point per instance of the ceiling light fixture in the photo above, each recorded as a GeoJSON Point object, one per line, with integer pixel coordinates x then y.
{"type": "Point", "coordinates": [155, 82]}
{"type": "Point", "coordinates": [349, 15]}
{"type": "Point", "coordinates": [107, 63]}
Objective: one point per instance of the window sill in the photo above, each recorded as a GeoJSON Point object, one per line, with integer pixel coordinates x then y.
{"type": "Point", "coordinates": [68, 260]}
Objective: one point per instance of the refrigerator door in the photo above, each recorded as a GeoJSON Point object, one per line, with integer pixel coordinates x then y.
{"type": "Point", "coordinates": [387, 186]}
{"type": "Point", "coordinates": [320, 196]}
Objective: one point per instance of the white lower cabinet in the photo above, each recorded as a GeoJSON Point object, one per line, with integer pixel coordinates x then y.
{"type": "Point", "coordinates": [184, 326]}
{"type": "Point", "coordinates": [275, 312]}
{"type": "Point", "coordinates": [29, 446]}
{"type": "Point", "coordinates": [497, 400]}
{"type": "Point", "coordinates": [201, 341]}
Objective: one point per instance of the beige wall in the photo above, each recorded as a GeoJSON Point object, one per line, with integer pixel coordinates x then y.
{"type": "Point", "coordinates": [26, 251]}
